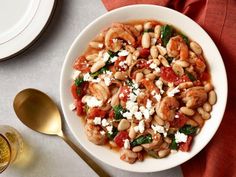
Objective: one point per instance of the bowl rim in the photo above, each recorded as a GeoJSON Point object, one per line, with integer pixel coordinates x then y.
{"type": "Point", "coordinates": [224, 75]}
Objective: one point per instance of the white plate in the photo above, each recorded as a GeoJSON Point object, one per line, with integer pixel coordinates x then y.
{"type": "Point", "coordinates": [21, 22]}
{"type": "Point", "coordinates": [188, 27]}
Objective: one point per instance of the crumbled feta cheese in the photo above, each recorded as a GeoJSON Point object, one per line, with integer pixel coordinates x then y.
{"type": "Point", "coordinates": [136, 91]}
{"type": "Point", "coordinates": [76, 74]}
{"type": "Point", "coordinates": [109, 73]}
{"type": "Point", "coordinates": [126, 144]}
{"type": "Point", "coordinates": [132, 97]}
{"type": "Point", "coordinates": [138, 115]}
{"type": "Point", "coordinates": [87, 77]}
{"type": "Point", "coordinates": [135, 85]}
{"type": "Point", "coordinates": [180, 137]}
{"type": "Point", "coordinates": [149, 104]}
{"type": "Point", "coordinates": [159, 129]}
{"type": "Point", "coordinates": [107, 81]}
{"type": "Point", "coordinates": [141, 126]}
{"type": "Point", "coordinates": [121, 95]}
{"type": "Point", "coordinates": [132, 106]}
{"type": "Point", "coordinates": [157, 97]}
{"type": "Point", "coordinates": [173, 92]}
{"type": "Point", "coordinates": [122, 63]}
{"type": "Point", "coordinates": [170, 84]}
{"type": "Point", "coordinates": [92, 101]}
{"type": "Point", "coordinates": [153, 65]}
{"type": "Point", "coordinates": [100, 45]}
{"type": "Point", "coordinates": [72, 107]}
{"type": "Point", "coordinates": [128, 115]}
{"type": "Point", "coordinates": [102, 132]}
{"type": "Point", "coordinates": [105, 57]}
{"type": "Point", "coordinates": [97, 120]}
{"type": "Point", "coordinates": [145, 112]}
{"type": "Point", "coordinates": [113, 59]}
{"type": "Point", "coordinates": [157, 69]}
{"type": "Point", "coordinates": [176, 116]}
{"type": "Point", "coordinates": [105, 122]}
{"type": "Point", "coordinates": [109, 129]}
{"type": "Point", "coordinates": [123, 53]}
{"type": "Point", "coordinates": [159, 84]}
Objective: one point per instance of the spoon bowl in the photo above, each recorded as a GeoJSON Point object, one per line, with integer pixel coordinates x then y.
{"type": "Point", "coordinates": [37, 111]}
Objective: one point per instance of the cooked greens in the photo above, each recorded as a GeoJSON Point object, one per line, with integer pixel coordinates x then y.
{"type": "Point", "coordinates": [166, 33]}
{"type": "Point", "coordinates": [143, 139]}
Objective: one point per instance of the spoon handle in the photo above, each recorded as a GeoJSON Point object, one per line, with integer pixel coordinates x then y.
{"type": "Point", "coordinates": [85, 157]}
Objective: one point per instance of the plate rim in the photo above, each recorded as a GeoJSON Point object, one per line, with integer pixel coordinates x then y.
{"type": "Point", "coordinates": [37, 35]}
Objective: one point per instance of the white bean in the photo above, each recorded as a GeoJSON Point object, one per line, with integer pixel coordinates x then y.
{"type": "Point", "coordinates": [129, 48]}
{"type": "Point", "coordinates": [154, 52]}
{"type": "Point", "coordinates": [132, 133]}
{"type": "Point", "coordinates": [192, 123]}
{"type": "Point", "coordinates": [162, 50]}
{"type": "Point", "coordinates": [123, 125]}
{"type": "Point", "coordinates": [207, 107]}
{"type": "Point", "coordinates": [163, 61]}
{"type": "Point", "coordinates": [163, 153]}
{"type": "Point", "coordinates": [157, 30]}
{"type": "Point", "coordinates": [182, 63]}
{"type": "Point", "coordinates": [178, 69]}
{"type": "Point", "coordinates": [137, 149]}
{"type": "Point", "coordinates": [146, 71]}
{"type": "Point", "coordinates": [151, 76]}
{"type": "Point", "coordinates": [147, 25]}
{"type": "Point", "coordinates": [212, 97]}
{"type": "Point", "coordinates": [146, 40]}
{"type": "Point", "coordinates": [185, 85]}
{"type": "Point", "coordinates": [196, 48]}
{"type": "Point", "coordinates": [159, 121]}
{"type": "Point", "coordinates": [138, 77]}
{"type": "Point", "coordinates": [120, 75]}
{"type": "Point", "coordinates": [204, 114]}
{"type": "Point", "coordinates": [208, 87]}
{"type": "Point", "coordinates": [91, 57]}
{"type": "Point", "coordinates": [129, 59]}
{"type": "Point", "coordinates": [156, 61]}
{"type": "Point", "coordinates": [96, 66]}
{"type": "Point", "coordinates": [139, 27]}
{"type": "Point", "coordinates": [187, 111]}
{"type": "Point", "coordinates": [96, 45]}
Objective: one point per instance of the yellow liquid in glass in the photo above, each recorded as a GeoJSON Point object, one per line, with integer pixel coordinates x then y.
{"type": "Point", "coordinates": [5, 153]}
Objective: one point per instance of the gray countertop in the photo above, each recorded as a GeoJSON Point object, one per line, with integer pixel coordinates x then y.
{"type": "Point", "coordinates": [40, 68]}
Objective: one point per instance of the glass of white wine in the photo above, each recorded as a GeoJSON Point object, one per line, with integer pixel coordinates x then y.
{"type": "Point", "coordinates": [11, 145]}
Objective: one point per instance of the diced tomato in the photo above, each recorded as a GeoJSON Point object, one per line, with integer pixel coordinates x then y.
{"type": "Point", "coordinates": [120, 137]}
{"type": "Point", "coordinates": [96, 112]}
{"type": "Point", "coordinates": [142, 64]}
{"type": "Point", "coordinates": [74, 91]}
{"type": "Point", "coordinates": [118, 65]}
{"type": "Point", "coordinates": [111, 114]}
{"type": "Point", "coordinates": [168, 74]}
{"type": "Point", "coordinates": [185, 147]}
{"type": "Point", "coordinates": [138, 42]}
{"type": "Point", "coordinates": [124, 93]}
{"type": "Point", "coordinates": [80, 108]}
{"type": "Point", "coordinates": [205, 76]}
{"type": "Point", "coordinates": [149, 85]}
{"type": "Point", "coordinates": [82, 64]}
{"type": "Point", "coordinates": [200, 65]}
{"type": "Point", "coordinates": [197, 83]}
{"type": "Point", "coordinates": [179, 122]}
{"type": "Point", "coordinates": [144, 52]}
{"type": "Point", "coordinates": [183, 78]}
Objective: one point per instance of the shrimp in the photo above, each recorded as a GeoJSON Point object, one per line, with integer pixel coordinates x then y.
{"type": "Point", "coordinates": [195, 97]}
{"type": "Point", "coordinates": [176, 47]}
{"type": "Point", "coordinates": [167, 108]}
{"type": "Point", "coordinates": [117, 33]}
{"type": "Point", "coordinates": [100, 91]}
{"type": "Point", "coordinates": [130, 29]}
{"type": "Point", "coordinates": [94, 135]}
{"type": "Point", "coordinates": [128, 156]}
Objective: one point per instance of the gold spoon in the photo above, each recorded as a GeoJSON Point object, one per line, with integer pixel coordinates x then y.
{"type": "Point", "coordinates": [37, 111]}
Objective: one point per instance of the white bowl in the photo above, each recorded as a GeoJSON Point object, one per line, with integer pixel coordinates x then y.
{"type": "Point", "coordinates": [188, 27]}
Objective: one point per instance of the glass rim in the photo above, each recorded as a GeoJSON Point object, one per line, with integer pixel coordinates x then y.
{"type": "Point", "coordinates": [9, 146]}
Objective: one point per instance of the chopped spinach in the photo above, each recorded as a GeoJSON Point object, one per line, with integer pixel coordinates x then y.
{"type": "Point", "coordinates": [185, 38]}
{"type": "Point", "coordinates": [113, 134]}
{"type": "Point", "coordinates": [100, 71]}
{"type": "Point", "coordinates": [152, 154]}
{"type": "Point", "coordinates": [118, 110]}
{"type": "Point", "coordinates": [174, 145]}
{"type": "Point", "coordinates": [190, 76]}
{"type": "Point", "coordinates": [79, 81]}
{"type": "Point", "coordinates": [169, 59]}
{"type": "Point", "coordinates": [129, 82]}
{"type": "Point", "coordinates": [112, 54]}
{"type": "Point", "coordinates": [143, 139]}
{"type": "Point", "coordinates": [188, 130]}
{"type": "Point", "coordinates": [166, 33]}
